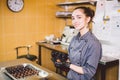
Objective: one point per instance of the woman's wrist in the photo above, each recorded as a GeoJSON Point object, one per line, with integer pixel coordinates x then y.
{"type": "Point", "coordinates": [70, 65]}
{"type": "Point", "coordinates": [76, 68]}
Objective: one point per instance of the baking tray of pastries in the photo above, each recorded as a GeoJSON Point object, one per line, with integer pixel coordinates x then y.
{"type": "Point", "coordinates": [24, 71]}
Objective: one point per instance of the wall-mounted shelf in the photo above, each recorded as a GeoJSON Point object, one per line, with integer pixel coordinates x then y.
{"type": "Point", "coordinates": [77, 3]}
{"type": "Point", "coordinates": [63, 14]}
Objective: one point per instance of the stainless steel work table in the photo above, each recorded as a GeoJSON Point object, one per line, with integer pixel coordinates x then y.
{"type": "Point", "coordinates": [53, 76]}
{"type": "Point", "coordinates": [104, 64]}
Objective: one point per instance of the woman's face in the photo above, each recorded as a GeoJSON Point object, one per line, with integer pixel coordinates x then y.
{"type": "Point", "coordinates": [79, 19]}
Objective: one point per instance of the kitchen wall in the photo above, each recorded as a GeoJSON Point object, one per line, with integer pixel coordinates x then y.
{"type": "Point", "coordinates": [32, 24]}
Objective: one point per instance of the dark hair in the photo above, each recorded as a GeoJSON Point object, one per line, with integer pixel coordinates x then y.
{"type": "Point", "coordinates": [88, 11]}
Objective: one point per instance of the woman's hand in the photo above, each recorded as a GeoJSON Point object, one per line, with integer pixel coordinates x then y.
{"type": "Point", "coordinates": [58, 63]}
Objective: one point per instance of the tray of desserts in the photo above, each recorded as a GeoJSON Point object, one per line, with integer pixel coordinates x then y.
{"type": "Point", "coordinates": [24, 71]}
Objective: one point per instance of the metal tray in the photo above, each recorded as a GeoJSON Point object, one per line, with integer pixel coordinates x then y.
{"type": "Point", "coordinates": [25, 71]}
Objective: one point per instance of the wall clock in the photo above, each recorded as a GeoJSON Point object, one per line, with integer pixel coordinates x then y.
{"type": "Point", "coordinates": [15, 5]}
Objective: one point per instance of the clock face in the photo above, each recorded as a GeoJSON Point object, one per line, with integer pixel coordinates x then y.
{"type": "Point", "coordinates": [15, 5]}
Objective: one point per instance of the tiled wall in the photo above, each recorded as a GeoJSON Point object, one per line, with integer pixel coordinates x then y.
{"type": "Point", "coordinates": [33, 23]}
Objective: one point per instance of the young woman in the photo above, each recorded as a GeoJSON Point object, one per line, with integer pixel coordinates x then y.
{"type": "Point", "coordinates": [84, 50]}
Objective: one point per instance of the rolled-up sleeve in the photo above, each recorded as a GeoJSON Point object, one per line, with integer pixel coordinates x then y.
{"type": "Point", "coordinates": [93, 58]}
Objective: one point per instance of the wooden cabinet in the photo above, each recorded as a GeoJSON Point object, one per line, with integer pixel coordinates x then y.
{"type": "Point", "coordinates": [108, 69]}
{"type": "Point", "coordinates": [46, 59]}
